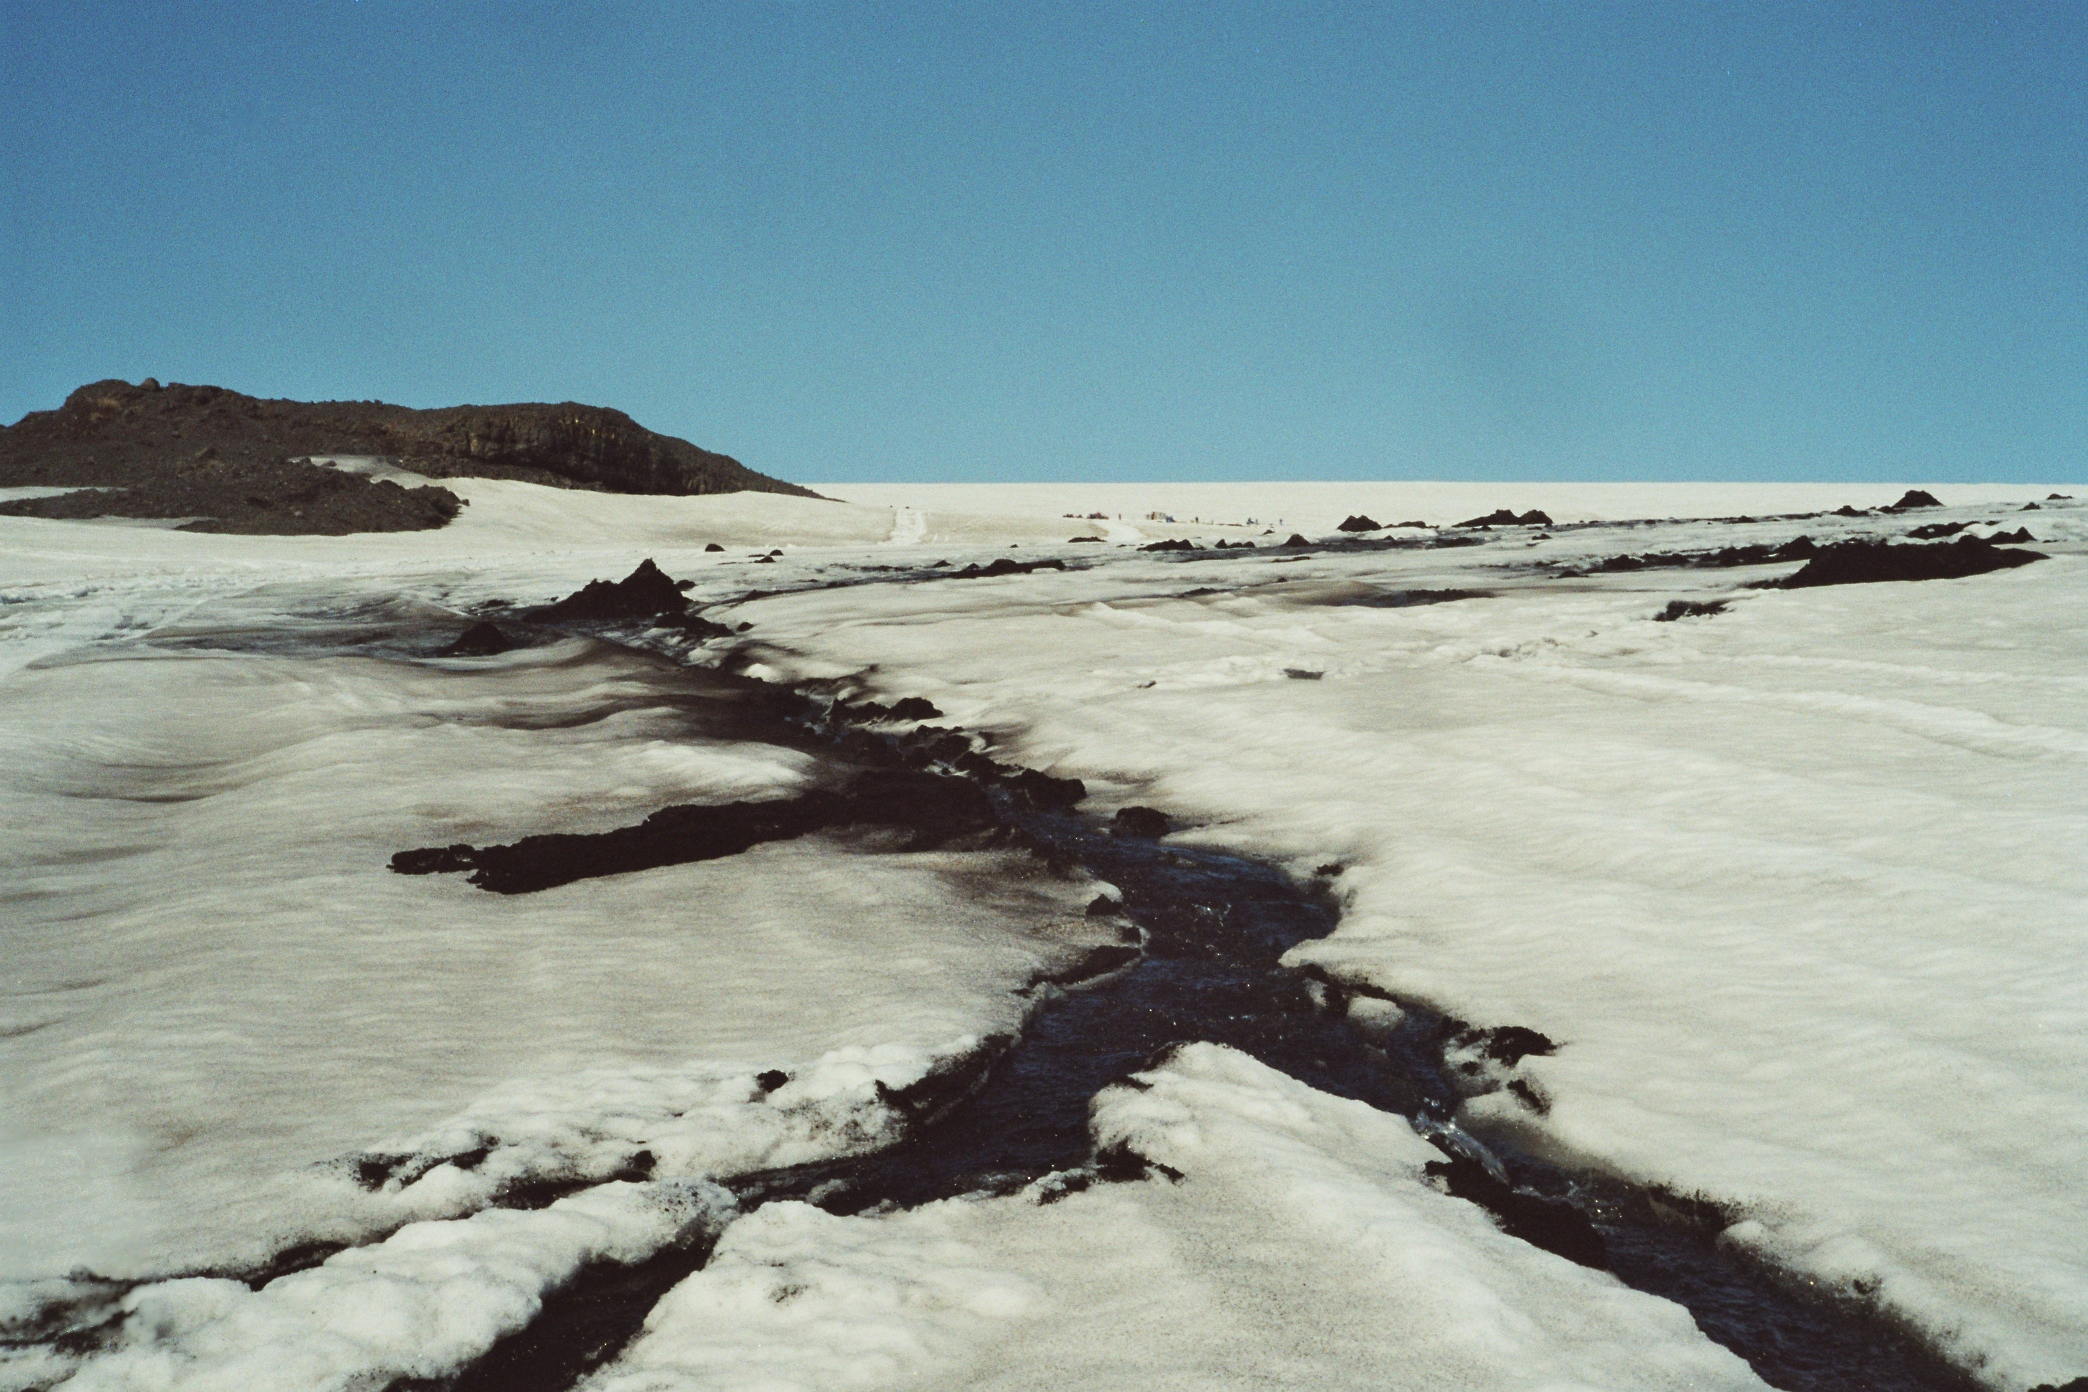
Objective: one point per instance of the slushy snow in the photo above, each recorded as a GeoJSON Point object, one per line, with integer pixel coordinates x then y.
{"type": "Point", "coordinates": [1797, 888]}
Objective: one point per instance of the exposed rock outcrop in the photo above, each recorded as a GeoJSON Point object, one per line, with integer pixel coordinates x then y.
{"type": "Point", "coordinates": [1504, 518]}
{"type": "Point", "coordinates": [201, 451]}
{"type": "Point", "coordinates": [1861, 562]}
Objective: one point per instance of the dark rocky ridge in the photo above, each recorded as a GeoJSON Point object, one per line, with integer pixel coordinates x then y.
{"type": "Point", "coordinates": [1866, 562]}
{"type": "Point", "coordinates": [250, 497]}
{"type": "Point", "coordinates": [200, 451]}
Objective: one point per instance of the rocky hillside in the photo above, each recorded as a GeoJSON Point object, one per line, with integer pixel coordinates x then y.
{"type": "Point", "coordinates": [234, 462]}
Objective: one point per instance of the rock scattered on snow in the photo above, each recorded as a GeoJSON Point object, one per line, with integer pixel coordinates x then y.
{"type": "Point", "coordinates": [480, 640]}
{"type": "Point", "coordinates": [1147, 822]}
{"type": "Point", "coordinates": [1862, 562]}
{"type": "Point", "coordinates": [645, 593]}
{"type": "Point", "coordinates": [1503, 517]}
{"type": "Point", "coordinates": [1004, 566]}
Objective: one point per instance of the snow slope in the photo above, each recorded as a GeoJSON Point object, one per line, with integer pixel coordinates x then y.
{"type": "Point", "coordinates": [1300, 1249]}
{"type": "Point", "coordinates": [218, 1001]}
{"type": "Point", "coordinates": [1800, 888]}
{"type": "Point", "coordinates": [1797, 888]}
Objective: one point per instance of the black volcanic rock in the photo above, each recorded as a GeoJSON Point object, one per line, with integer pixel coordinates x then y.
{"type": "Point", "coordinates": [1915, 498]}
{"type": "Point", "coordinates": [1147, 822]}
{"type": "Point", "coordinates": [233, 460]}
{"type": "Point", "coordinates": [1504, 518]}
{"type": "Point", "coordinates": [1296, 539]}
{"type": "Point", "coordinates": [1004, 566]}
{"type": "Point", "coordinates": [1045, 791]}
{"type": "Point", "coordinates": [249, 497]}
{"type": "Point", "coordinates": [1177, 544]}
{"type": "Point", "coordinates": [1758, 553]}
{"type": "Point", "coordinates": [645, 593]}
{"type": "Point", "coordinates": [479, 640]}
{"type": "Point", "coordinates": [1863, 562]}
{"type": "Point", "coordinates": [1360, 522]}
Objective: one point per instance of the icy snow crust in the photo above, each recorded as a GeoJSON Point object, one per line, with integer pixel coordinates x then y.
{"type": "Point", "coordinates": [1799, 888]}
{"type": "Point", "coordinates": [1193, 1284]}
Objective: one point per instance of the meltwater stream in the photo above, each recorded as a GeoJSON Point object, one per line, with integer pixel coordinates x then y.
{"type": "Point", "coordinates": [1210, 931]}
{"type": "Point", "coordinates": [1213, 928]}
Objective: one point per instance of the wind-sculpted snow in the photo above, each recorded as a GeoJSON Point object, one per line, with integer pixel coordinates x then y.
{"type": "Point", "coordinates": [422, 1304]}
{"type": "Point", "coordinates": [220, 1001]}
{"type": "Point", "coordinates": [1793, 885]}
{"type": "Point", "coordinates": [1297, 1244]}
{"type": "Point", "coordinates": [1797, 886]}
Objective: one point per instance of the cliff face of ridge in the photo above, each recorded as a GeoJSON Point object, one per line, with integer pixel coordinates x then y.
{"type": "Point", "coordinates": [235, 462]}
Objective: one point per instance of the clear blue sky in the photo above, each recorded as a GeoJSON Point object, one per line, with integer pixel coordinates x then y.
{"type": "Point", "coordinates": [1112, 241]}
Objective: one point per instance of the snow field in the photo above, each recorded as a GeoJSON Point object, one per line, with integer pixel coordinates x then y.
{"type": "Point", "coordinates": [219, 996]}
{"type": "Point", "coordinates": [1318, 507]}
{"type": "Point", "coordinates": [423, 1303]}
{"type": "Point", "coordinates": [1300, 1249]}
{"type": "Point", "coordinates": [1798, 888]}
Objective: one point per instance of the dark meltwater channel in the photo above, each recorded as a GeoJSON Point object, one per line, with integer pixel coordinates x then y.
{"type": "Point", "coordinates": [1213, 929]}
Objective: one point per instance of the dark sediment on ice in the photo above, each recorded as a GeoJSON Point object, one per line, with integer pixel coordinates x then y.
{"type": "Point", "coordinates": [1725, 557]}
{"type": "Point", "coordinates": [1865, 562]}
{"type": "Point", "coordinates": [1690, 609]}
{"type": "Point", "coordinates": [935, 808]}
{"type": "Point", "coordinates": [1210, 933]}
{"type": "Point", "coordinates": [1359, 522]}
{"type": "Point", "coordinates": [1004, 566]}
{"type": "Point", "coordinates": [1915, 498]}
{"type": "Point", "coordinates": [1368, 597]}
